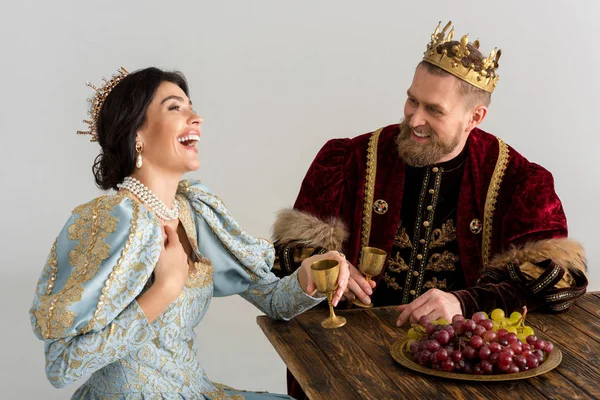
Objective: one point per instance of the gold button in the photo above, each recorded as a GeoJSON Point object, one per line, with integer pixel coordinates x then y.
{"type": "Point", "coordinates": [416, 273]}
{"type": "Point", "coordinates": [412, 292]}
{"type": "Point", "coordinates": [429, 208]}
{"type": "Point", "coordinates": [426, 223]}
{"type": "Point", "coordinates": [431, 191]}
{"type": "Point", "coordinates": [435, 169]}
{"type": "Point", "coordinates": [422, 241]}
{"type": "Point", "coordinates": [419, 257]}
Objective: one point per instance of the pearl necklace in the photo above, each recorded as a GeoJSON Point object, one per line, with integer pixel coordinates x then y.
{"type": "Point", "coordinates": [150, 199]}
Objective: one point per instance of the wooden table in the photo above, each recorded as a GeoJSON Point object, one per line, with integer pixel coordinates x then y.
{"type": "Point", "coordinates": [354, 362]}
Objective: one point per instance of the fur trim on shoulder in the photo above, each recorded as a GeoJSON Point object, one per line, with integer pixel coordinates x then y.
{"type": "Point", "coordinates": [293, 226]}
{"type": "Point", "coordinates": [565, 252]}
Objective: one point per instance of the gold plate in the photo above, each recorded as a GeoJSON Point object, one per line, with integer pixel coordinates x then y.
{"type": "Point", "coordinates": [404, 358]}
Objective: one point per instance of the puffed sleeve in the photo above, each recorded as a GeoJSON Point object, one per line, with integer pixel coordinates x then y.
{"type": "Point", "coordinates": [84, 306]}
{"type": "Point", "coordinates": [242, 263]}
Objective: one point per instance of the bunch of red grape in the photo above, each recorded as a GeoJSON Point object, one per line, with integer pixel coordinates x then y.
{"type": "Point", "coordinates": [473, 346]}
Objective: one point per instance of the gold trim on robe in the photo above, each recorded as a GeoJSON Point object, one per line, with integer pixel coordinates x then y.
{"type": "Point", "coordinates": [490, 201]}
{"type": "Point", "coordinates": [370, 187]}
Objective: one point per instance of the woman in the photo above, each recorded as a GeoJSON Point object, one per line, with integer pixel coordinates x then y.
{"type": "Point", "coordinates": [132, 274]}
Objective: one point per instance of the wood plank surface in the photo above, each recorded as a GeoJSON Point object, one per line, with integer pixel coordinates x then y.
{"type": "Point", "coordinates": [590, 303]}
{"type": "Point", "coordinates": [358, 371]}
{"type": "Point", "coordinates": [320, 379]}
{"type": "Point", "coordinates": [354, 362]}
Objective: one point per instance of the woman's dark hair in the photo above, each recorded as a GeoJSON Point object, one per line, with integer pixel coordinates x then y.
{"type": "Point", "coordinates": [121, 116]}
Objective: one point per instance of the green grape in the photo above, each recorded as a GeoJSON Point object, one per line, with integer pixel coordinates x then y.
{"type": "Point", "coordinates": [408, 342]}
{"type": "Point", "coordinates": [515, 317]}
{"type": "Point", "coordinates": [527, 330]}
{"type": "Point", "coordinates": [419, 329]}
{"type": "Point", "coordinates": [511, 329]}
{"type": "Point", "coordinates": [498, 315]}
{"type": "Point", "coordinates": [413, 335]}
{"type": "Point", "coordinates": [502, 324]}
{"type": "Point", "coordinates": [442, 321]}
{"type": "Point", "coordinates": [523, 332]}
{"type": "Point", "coordinates": [495, 326]}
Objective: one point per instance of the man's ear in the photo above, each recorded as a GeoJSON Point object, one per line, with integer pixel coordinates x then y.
{"type": "Point", "coordinates": [477, 116]}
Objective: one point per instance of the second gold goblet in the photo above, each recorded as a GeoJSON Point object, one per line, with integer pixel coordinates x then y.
{"type": "Point", "coordinates": [325, 274]}
{"type": "Point", "coordinates": [371, 263]}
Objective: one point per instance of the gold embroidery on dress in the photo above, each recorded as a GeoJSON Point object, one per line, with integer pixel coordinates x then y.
{"type": "Point", "coordinates": [42, 311]}
{"type": "Point", "coordinates": [402, 239]}
{"type": "Point", "coordinates": [141, 374]}
{"type": "Point", "coordinates": [201, 276]}
{"type": "Point", "coordinates": [391, 282]}
{"type": "Point", "coordinates": [185, 216]}
{"type": "Point", "coordinates": [93, 224]}
{"type": "Point", "coordinates": [117, 270]}
{"type": "Point", "coordinates": [434, 283]}
{"type": "Point", "coordinates": [397, 264]}
{"type": "Point", "coordinates": [220, 394]}
{"type": "Point", "coordinates": [53, 264]}
{"type": "Point", "coordinates": [443, 235]}
{"type": "Point", "coordinates": [442, 262]}
{"type": "Point", "coordinates": [227, 230]}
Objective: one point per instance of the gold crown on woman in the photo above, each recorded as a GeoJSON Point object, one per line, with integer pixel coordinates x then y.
{"type": "Point", "coordinates": [98, 100]}
{"type": "Point", "coordinates": [455, 62]}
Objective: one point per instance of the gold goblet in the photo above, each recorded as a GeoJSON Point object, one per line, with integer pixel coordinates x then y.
{"type": "Point", "coordinates": [325, 274]}
{"type": "Point", "coordinates": [372, 260]}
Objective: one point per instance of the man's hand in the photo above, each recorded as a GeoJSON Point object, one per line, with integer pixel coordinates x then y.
{"type": "Point", "coordinates": [434, 303]}
{"type": "Point", "coordinates": [358, 286]}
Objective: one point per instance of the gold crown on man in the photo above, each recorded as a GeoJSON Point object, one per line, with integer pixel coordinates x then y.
{"type": "Point", "coordinates": [98, 101]}
{"type": "Point", "coordinates": [482, 76]}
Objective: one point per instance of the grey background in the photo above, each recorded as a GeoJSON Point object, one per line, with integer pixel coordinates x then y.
{"type": "Point", "coordinates": [274, 80]}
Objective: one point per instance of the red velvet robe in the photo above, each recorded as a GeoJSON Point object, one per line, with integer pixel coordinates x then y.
{"type": "Point", "coordinates": [525, 211]}
{"type": "Point", "coordinates": [529, 262]}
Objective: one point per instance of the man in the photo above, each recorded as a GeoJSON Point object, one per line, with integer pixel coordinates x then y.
{"type": "Point", "coordinates": [467, 222]}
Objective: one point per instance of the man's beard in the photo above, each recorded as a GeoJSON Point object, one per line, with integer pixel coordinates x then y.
{"type": "Point", "coordinates": [422, 154]}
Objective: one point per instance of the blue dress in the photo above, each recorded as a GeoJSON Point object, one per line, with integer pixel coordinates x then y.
{"type": "Point", "coordinates": [85, 307]}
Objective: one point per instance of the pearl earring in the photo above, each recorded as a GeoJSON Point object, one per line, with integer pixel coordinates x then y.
{"type": "Point", "coordinates": [139, 146]}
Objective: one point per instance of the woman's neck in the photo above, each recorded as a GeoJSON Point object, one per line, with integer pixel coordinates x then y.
{"type": "Point", "coordinates": [163, 185]}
